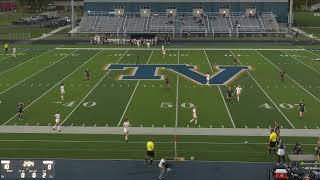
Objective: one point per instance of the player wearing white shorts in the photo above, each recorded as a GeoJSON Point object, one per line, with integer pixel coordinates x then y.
{"type": "Point", "coordinates": [238, 92]}
{"type": "Point", "coordinates": [148, 45]}
{"type": "Point", "coordinates": [14, 52]}
{"type": "Point", "coordinates": [164, 167]}
{"type": "Point", "coordinates": [194, 116]}
{"type": "Point", "coordinates": [126, 126]}
{"type": "Point", "coordinates": [163, 50]}
{"type": "Point", "coordinates": [208, 78]}
{"type": "Point", "coordinates": [62, 91]}
{"type": "Point", "coordinates": [57, 120]}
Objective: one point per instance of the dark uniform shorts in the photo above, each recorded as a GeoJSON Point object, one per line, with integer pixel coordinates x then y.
{"type": "Point", "coordinates": [272, 144]}
{"type": "Point", "coordinates": [150, 153]}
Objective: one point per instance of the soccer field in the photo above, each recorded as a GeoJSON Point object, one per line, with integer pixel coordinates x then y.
{"type": "Point", "coordinates": [34, 78]}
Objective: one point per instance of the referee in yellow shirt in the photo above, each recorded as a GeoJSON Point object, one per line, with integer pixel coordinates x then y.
{"type": "Point", "coordinates": [150, 151]}
{"type": "Point", "coordinates": [6, 47]}
{"type": "Point", "coordinates": [272, 141]}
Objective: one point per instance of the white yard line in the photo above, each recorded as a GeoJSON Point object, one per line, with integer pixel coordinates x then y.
{"type": "Point", "coordinates": [225, 104]}
{"type": "Point", "coordinates": [94, 87]}
{"type": "Point", "coordinates": [302, 63]}
{"type": "Point", "coordinates": [188, 49]}
{"type": "Point", "coordinates": [177, 94]}
{"type": "Point", "coordinates": [87, 61]}
{"type": "Point", "coordinates": [26, 61]}
{"type": "Point", "coordinates": [267, 95]}
{"type": "Point", "coordinates": [313, 53]}
{"type": "Point", "coordinates": [10, 55]}
{"type": "Point", "coordinates": [134, 91]}
{"type": "Point", "coordinates": [37, 72]}
{"type": "Point", "coordinates": [289, 77]}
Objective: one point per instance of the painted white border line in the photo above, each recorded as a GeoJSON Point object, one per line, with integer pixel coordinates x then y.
{"type": "Point", "coordinates": [94, 87]}
{"type": "Point", "coordinates": [289, 77]}
{"type": "Point", "coordinates": [177, 94]}
{"type": "Point", "coordinates": [161, 131]}
{"type": "Point", "coordinates": [225, 104]}
{"type": "Point", "coordinates": [84, 63]}
{"type": "Point", "coordinates": [46, 67]}
{"type": "Point", "coordinates": [266, 94]}
{"type": "Point", "coordinates": [189, 49]}
{"type": "Point", "coordinates": [133, 93]}
{"type": "Point", "coordinates": [27, 61]}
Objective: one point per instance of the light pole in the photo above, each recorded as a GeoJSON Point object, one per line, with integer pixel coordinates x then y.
{"type": "Point", "coordinates": [72, 14]}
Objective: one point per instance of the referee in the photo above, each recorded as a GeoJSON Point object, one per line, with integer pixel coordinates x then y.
{"type": "Point", "coordinates": [150, 152]}
{"type": "Point", "coordinates": [272, 141]}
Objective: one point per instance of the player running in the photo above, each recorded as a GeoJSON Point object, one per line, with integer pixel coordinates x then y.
{"type": "Point", "coordinates": [6, 48]}
{"type": "Point", "coordinates": [238, 92]}
{"type": "Point", "coordinates": [62, 91]}
{"type": "Point", "coordinates": [163, 50]}
{"type": "Point", "coordinates": [87, 75]}
{"type": "Point", "coordinates": [235, 61]}
{"type": "Point", "coordinates": [282, 75]}
{"type": "Point", "coordinates": [20, 110]}
{"type": "Point", "coordinates": [207, 78]}
{"type": "Point", "coordinates": [138, 61]}
{"type": "Point", "coordinates": [126, 125]}
{"type": "Point", "coordinates": [229, 94]}
{"type": "Point", "coordinates": [167, 82]}
{"type": "Point", "coordinates": [14, 52]}
{"type": "Point", "coordinates": [148, 45]}
{"type": "Point", "coordinates": [194, 116]}
{"type": "Point", "coordinates": [302, 108]}
{"type": "Point", "coordinates": [57, 120]}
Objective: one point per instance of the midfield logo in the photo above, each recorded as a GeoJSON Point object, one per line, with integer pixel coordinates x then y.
{"type": "Point", "coordinates": [224, 75]}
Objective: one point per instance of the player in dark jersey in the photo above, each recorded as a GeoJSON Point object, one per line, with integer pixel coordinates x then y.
{"type": "Point", "coordinates": [138, 61]}
{"type": "Point", "coordinates": [277, 130]}
{"type": "Point", "coordinates": [87, 74]}
{"type": "Point", "coordinates": [229, 94]}
{"type": "Point", "coordinates": [235, 61]}
{"type": "Point", "coordinates": [20, 111]}
{"type": "Point", "coordinates": [282, 75]}
{"type": "Point", "coordinates": [167, 82]}
{"type": "Point", "coordinates": [302, 108]}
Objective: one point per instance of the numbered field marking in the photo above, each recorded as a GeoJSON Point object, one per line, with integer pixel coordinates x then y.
{"type": "Point", "coordinates": [166, 105]}
{"type": "Point", "coordinates": [187, 105]}
{"type": "Point", "coordinates": [89, 104]}
{"type": "Point", "coordinates": [266, 106]}
{"type": "Point", "coordinates": [286, 106]}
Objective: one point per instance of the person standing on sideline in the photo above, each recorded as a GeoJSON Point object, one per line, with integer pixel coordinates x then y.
{"type": "Point", "coordinates": [164, 167]}
{"type": "Point", "coordinates": [318, 149]}
{"type": "Point", "coordinates": [57, 120]}
{"type": "Point", "coordinates": [272, 141]}
{"type": "Point", "coordinates": [281, 153]}
{"type": "Point", "coordinates": [126, 126]}
{"type": "Point", "coordinates": [6, 48]}
{"type": "Point", "coordinates": [150, 152]}
{"type": "Point", "coordinates": [14, 52]}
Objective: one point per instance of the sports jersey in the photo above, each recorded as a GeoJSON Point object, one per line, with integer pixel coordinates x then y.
{"type": "Point", "coordinates": [273, 137]}
{"type": "Point", "coordinates": [150, 146]}
{"type": "Point", "coordinates": [238, 90]}
{"type": "Point", "coordinates": [162, 163]}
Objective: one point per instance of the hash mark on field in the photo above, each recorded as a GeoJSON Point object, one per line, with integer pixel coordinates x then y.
{"type": "Point", "coordinates": [140, 125]}
{"type": "Point", "coordinates": [83, 125]}
{"type": "Point", "coordinates": [106, 125]}
{"type": "Point", "coordinates": [210, 126]}
{"type": "Point", "coordinates": [187, 125]}
{"type": "Point", "coordinates": [15, 124]}
{"type": "Point", "coordinates": [164, 125]}
{"type": "Point", "coordinates": [246, 126]}
{"type": "Point", "coordinates": [26, 124]}
{"type": "Point", "coordinates": [37, 124]}
{"type": "Point", "coordinates": [71, 125]}
{"type": "Point", "coordinates": [152, 125]}
{"type": "Point", "coordinates": [305, 127]}
{"type": "Point", "coordinates": [95, 125]}
{"type": "Point", "coordinates": [222, 126]}
{"type": "Point", "coordinates": [258, 127]}
{"type": "Point", "coordinates": [40, 84]}
{"type": "Point", "coordinates": [317, 127]}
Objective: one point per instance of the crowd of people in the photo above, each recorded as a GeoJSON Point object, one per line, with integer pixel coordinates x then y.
{"type": "Point", "coordinates": [102, 39]}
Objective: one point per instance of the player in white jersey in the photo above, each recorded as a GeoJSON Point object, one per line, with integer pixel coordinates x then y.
{"type": "Point", "coordinates": [62, 91]}
{"type": "Point", "coordinates": [238, 92]}
{"type": "Point", "coordinates": [126, 126]}
{"type": "Point", "coordinates": [194, 116]}
{"type": "Point", "coordinates": [164, 167]}
{"type": "Point", "coordinates": [208, 78]}
{"type": "Point", "coordinates": [138, 43]}
{"type": "Point", "coordinates": [148, 45]}
{"type": "Point", "coordinates": [14, 52]}
{"type": "Point", "coordinates": [57, 120]}
{"type": "Point", "coordinates": [163, 50]}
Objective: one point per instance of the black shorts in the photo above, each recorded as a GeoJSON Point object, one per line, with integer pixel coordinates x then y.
{"type": "Point", "coordinates": [272, 144]}
{"type": "Point", "coordinates": [150, 153]}
{"type": "Point", "coordinates": [20, 111]}
{"type": "Point", "coordinates": [302, 110]}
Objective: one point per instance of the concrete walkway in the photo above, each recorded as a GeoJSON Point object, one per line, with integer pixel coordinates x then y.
{"type": "Point", "coordinates": [162, 131]}
{"type": "Point", "coordinates": [45, 35]}
{"type": "Point", "coordinates": [305, 34]}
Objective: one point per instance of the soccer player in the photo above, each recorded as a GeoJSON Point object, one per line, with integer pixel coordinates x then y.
{"type": "Point", "coordinates": [277, 130]}
{"type": "Point", "coordinates": [148, 45]}
{"type": "Point", "coordinates": [229, 94]}
{"type": "Point", "coordinates": [208, 78]}
{"type": "Point", "coordinates": [164, 167]}
{"type": "Point", "coordinates": [57, 120]}
{"type": "Point", "coordinates": [282, 75]}
{"type": "Point", "coordinates": [62, 91]}
{"type": "Point", "coordinates": [163, 50]}
{"type": "Point", "coordinates": [272, 141]}
{"type": "Point", "coordinates": [126, 125]}
{"type": "Point", "coordinates": [14, 52]}
{"type": "Point", "coordinates": [6, 47]}
{"type": "Point", "coordinates": [194, 116]}
{"type": "Point", "coordinates": [20, 110]}
{"type": "Point", "coordinates": [150, 152]}
{"type": "Point", "coordinates": [302, 108]}
{"type": "Point", "coordinates": [238, 92]}
{"type": "Point", "coordinates": [167, 82]}
{"type": "Point", "coordinates": [87, 74]}
{"type": "Point", "coordinates": [138, 61]}
{"type": "Point", "coordinates": [235, 61]}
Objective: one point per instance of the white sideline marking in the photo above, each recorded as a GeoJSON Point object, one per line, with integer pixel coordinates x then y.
{"type": "Point", "coordinates": [289, 77]}
{"type": "Point", "coordinates": [94, 87]}
{"type": "Point", "coordinates": [177, 97]}
{"type": "Point", "coordinates": [302, 63]}
{"type": "Point", "coordinates": [84, 63]}
{"type": "Point", "coordinates": [26, 61]}
{"type": "Point", "coordinates": [225, 104]}
{"type": "Point", "coordinates": [34, 74]}
{"type": "Point", "coordinates": [268, 96]}
{"type": "Point", "coordinates": [135, 88]}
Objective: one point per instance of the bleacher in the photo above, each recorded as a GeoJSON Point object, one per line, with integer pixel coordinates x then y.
{"type": "Point", "coordinates": [208, 24]}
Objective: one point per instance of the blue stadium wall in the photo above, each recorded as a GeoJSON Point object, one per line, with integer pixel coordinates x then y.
{"type": "Point", "coordinates": [279, 8]}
